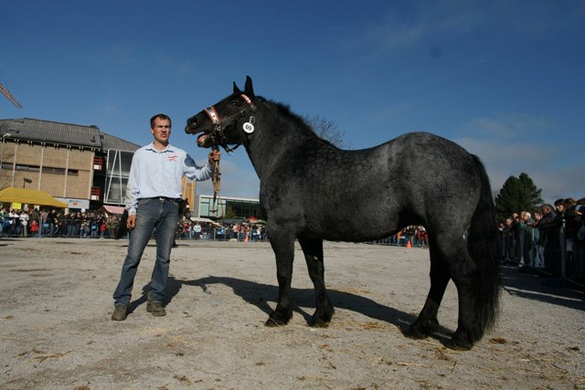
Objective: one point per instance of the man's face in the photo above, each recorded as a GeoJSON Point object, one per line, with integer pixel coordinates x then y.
{"type": "Point", "coordinates": [161, 130]}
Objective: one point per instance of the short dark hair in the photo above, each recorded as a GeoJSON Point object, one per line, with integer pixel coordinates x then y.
{"type": "Point", "coordinates": [160, 116]}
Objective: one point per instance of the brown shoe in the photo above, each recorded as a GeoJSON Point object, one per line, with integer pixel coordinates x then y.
{"type": "Point", "coordinates": [156, 309]}
{"type": "Point", "coordinates": [120, 312]}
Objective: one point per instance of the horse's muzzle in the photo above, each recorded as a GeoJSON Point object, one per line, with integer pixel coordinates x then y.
{"type": "Point", "coordinates": [203, 140]}
{"type": "Point", "coordinates": [191, 127]}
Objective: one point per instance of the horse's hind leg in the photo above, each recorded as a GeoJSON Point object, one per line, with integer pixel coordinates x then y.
{"type": "Point", "coordinates": [313, 251]}
{"type": "Point", "coordinates": [283, 245]}
{"type": "Point", "coordinates": [427, 323]}
{"type": "Point", "coordinates": [463, 272]}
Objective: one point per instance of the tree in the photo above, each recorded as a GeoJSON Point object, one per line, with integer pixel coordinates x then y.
{"type": "Point", "coordinates": [230, 213]}
{"type": "Point", "coordinates": [327, 130]}
{"type": "Point", "coordinates": [517, 194]}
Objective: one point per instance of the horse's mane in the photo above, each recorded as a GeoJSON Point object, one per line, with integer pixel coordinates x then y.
{"type": "Point", "coordinates": [284, 110]}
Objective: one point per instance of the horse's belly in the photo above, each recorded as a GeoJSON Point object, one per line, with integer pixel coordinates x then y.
{"type": "Point", "coordinates": [356, 229]}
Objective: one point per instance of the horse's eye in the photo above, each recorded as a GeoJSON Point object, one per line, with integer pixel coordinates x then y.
{"type": "Point", "coordinates": [235, 103]}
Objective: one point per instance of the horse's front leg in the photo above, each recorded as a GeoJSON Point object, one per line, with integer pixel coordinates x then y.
{"type": "Point", "coordinates": [283, 245]}
{"type": "Point", "coordinates": [313, 250]}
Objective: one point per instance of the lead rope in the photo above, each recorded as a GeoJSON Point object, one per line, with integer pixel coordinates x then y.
{"type": "Point", "coordinates": [215, 179]}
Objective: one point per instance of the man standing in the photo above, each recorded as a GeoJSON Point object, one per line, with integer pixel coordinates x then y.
{"type": "Point", "coordinates": [152, 201]}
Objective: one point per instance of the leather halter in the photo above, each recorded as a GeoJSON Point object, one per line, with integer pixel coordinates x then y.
{"type": "Point", "coordinates": [219, 124]}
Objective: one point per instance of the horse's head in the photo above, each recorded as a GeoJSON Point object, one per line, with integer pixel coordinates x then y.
{"type": "Point", "coordinates": [228, 122]}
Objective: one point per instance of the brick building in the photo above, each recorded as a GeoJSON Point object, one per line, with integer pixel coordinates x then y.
{"type": "Point", "coordinates": [80, 165]}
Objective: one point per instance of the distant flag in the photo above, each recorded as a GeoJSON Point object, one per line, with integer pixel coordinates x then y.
{"type": "Point", "coordinates": [8, 95]}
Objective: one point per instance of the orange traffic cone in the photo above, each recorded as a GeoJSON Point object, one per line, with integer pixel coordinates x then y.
{"type": "Point", "coordinates": [408, 246]}
{"type": "Point", "coordinates": [247, 238]}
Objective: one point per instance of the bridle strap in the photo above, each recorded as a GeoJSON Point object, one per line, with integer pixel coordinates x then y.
{"type": "Point", "coordinates": [219, 125]}
{"type": "Point", "coordinates": [212, 114]}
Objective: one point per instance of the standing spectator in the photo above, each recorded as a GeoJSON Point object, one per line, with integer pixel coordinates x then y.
{"type": "Point", "coordinates": [53, 221]}
{"type": "Point", "coordinates": [572, 225]}
{"type": "Point", "coordinates": [34, 227]}
{"type": "Point", "coordinates": [508, 234]}
{"type": "Point", "coordinates": [560, 206]}
{"type": "Point", "coordinates": [516, 238]}
{"type": "Point", "coordinates": [152, 200]}
{"type": "Point", "coordinates": [14, 229]}
{"type": "Point", "coordinates": [3, 221]}
{"type": "Point", "coordinates": [43, 223]}
{"type": "Point", "coordinates": [549, 226]}
{"type": "Point", "coordinates": [70, 224]}
{"type": "Point", "coordinates": [525, 226]}
{"type": "Point", "coordinates": [197, 230]}
{"type": "Point", "coordinates": [35, 216]}
{"type": "Point", "coordinates": [24, 218]}
{"type": "Point", "coordinates": [538, 259]}
{"type": "Point", "coordinates": [112, 225]}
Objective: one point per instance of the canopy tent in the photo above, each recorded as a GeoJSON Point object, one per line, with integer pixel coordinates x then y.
{"type": "Point", "coordinates": [30, 197]}
{"type": "Point", "coordinates": [109, 209]}
{"type": "Point", "coordinates": [254, 220]}
{"type": "Point", "coordinates": [206, 220]}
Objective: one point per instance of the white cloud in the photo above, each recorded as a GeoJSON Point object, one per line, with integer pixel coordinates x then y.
{"type": "Point", "coordinates": [544, 163]}
{"type": "Point", "coordinates": [509, 125]}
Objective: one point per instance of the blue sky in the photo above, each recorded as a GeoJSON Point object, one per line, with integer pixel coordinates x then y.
{"type": "Point", "coordinates": [505, 79]}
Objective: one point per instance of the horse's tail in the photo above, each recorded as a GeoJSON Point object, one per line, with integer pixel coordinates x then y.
{"type": "Point", "coordinates": [484, 247]}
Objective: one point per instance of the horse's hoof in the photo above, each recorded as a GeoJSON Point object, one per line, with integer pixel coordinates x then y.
{"type": "Point", "coordinates": [273, 321]}
{"type": "Point", "coordinates": [459, 342]}
{"type": "Point", "coordinates": [415, 332]}
{"type": "Point", "coordinates": [458, 346]}
{"type": "Point", "coordinates": [422, 329]}
{"type": "Point", "coordinates": [318, 323]}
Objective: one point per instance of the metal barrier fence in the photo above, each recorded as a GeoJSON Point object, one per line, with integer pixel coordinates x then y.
{"type": "Point", "coordinates": [550, 252]}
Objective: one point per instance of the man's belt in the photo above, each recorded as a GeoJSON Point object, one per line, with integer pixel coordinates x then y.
{"type": "Point", "coordinates": [164, 198]}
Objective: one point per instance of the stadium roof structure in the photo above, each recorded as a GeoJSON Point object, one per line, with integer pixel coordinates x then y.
{"type": "Point", "coordinates": [48, 132]}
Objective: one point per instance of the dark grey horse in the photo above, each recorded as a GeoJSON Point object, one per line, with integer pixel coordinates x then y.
{"type": "Point", "coordinates": [312, 191]}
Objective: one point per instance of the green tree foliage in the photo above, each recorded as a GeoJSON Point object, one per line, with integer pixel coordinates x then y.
{"type": "Point", "coordinates": [230, 213]}
{"type": "Point", "coordinates": [517, 194]}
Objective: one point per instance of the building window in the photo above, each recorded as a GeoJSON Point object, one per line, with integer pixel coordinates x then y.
{"type": "Point", "coordinates": [26, 168]}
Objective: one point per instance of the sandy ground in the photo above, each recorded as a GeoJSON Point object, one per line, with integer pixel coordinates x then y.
{"type": "Point", "coordinates": [56, 331]}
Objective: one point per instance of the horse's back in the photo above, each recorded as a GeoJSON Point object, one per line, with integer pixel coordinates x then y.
{"type": "Point", "coordinates": [356, 195]}
{"type": "Point", "coordinates": [437, 179]}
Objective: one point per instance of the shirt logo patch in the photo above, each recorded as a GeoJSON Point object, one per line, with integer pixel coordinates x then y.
{"type": "Point", "coordinates": [173, 157]}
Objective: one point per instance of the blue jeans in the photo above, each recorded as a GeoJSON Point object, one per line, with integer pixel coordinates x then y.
{"type": "Point", "coordinates": [151, 214]}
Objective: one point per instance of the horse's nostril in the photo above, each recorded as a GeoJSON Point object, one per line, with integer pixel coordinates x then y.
{"type": "Point", "coordinates": [193, 122]}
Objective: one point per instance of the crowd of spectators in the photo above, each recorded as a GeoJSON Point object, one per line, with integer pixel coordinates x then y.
{"type": "Point", "coordinates": [53, 223]}
{"type": "Point", "coordinates": [93, 224]}
{"type": "Point", "coordinates": [415, 236]}
{"type": "Point", "coordinates": [551, 239]}
{"type": "Point", "coordinates": [221, 231]}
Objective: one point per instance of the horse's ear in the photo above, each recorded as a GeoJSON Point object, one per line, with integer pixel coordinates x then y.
{"type": "Point", "coordinates": [236, 89]}
{"type": "Point", "coordinates": [249, 89]}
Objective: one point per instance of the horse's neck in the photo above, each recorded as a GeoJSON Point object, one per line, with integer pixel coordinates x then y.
{"type": "Point", "coordinates": [275, 137]}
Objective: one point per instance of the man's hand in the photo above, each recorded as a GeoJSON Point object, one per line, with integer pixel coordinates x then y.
{"type": "Point", "coordinates": [214, 155]}
{"type": "Point", "coordinates": [131, 222]}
